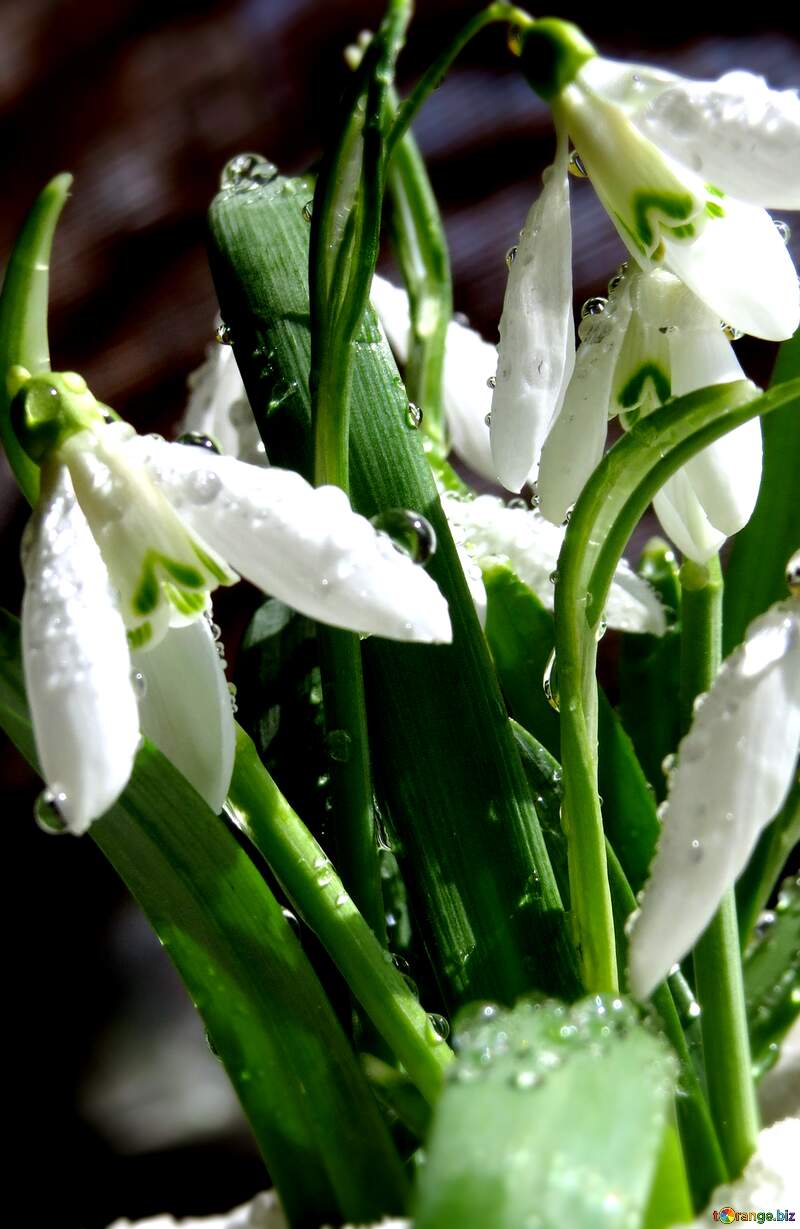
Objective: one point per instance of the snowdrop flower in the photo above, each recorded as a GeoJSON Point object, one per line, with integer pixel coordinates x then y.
{"type": "Point", "coordinates": [486, 527]}
{"type": "Point", "coordinates": [130, 537]}
{"type": "Point", "coordinates": [218, 406]}
{"type": "Point", "coordinates": [734, 770]}
{"type": "Point", "coordinates": [771, 1178]}
{"type": "Point", "coordinates": [653, 341]}
{"type": "Point", "coordinates": [469, 369]}
{"type": "Point", "coordinates": [683, 169]}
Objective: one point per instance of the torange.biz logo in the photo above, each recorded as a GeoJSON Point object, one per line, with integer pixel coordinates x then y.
{"type": "Point", "coordinates": [726, 1216]}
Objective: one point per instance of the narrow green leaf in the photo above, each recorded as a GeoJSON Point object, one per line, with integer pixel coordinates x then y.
{"type": "Point", "coordinates": [23, 316]}
{"type": "Point", "coordinates": [552, 1117]}
{"type": "Point", "coordinates": [318, 1127]}
{"type": "Point", "coordinates": [755, 575]}
{"type": "Point", "coordinates": [520, 635]}
{"type": "Point", "coordinates": [447, 772]}
{"type": "Point", "coordinates": [772, 977]}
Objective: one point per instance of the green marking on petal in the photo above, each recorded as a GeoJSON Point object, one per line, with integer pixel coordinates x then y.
{"type": "Point", "coordinates": [634, 238]}
{"type": "Point", "coordinates": [187, 576]}
{"type": "Point", "coordinates": [221, 574]}
{"type": "Point", "coordinates": [714, 190]}
{"type": "Point", "coordinates": [139, 636]}
{"type": "Point", "coordinates": [145, 596]}
{"type": "Point", "coordinates": [687, 231]}
{"type": "Point", "coordinates": [186, 603]}
{"type": "Point", "coordinates": [677, 205]}
{"type": "Point", "coordinates": [632, 393]}
{"type": "Point", "coordinates": [629, 418]}
{"type": "Point", "coordinates": [714, 210]}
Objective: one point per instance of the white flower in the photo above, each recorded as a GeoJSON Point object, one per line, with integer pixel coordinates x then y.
{"type": "Point", "coordinates": [486, 528]}
{"type": "Point", "coordinates": [684, 169]}
{"type": "Point", "coordinates": [770, 1181]}
{"type": "Point", "coordinates": [218, 407]}
{"type": "Point", "coordinates": [734, 770]}
{"type": "Point", "coordinates": [653, 341]}
{"type": "Point", "coordinates": [130, 537]}
{"type": "Point", "coordinates": [469, 366]}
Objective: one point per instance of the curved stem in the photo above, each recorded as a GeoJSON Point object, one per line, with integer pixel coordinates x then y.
{"type": "Point", "coordinates": [317, 892]}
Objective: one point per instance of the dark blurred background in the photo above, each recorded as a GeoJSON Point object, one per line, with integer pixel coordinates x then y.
{"type": "Point", "coordinates": [113, 1093]}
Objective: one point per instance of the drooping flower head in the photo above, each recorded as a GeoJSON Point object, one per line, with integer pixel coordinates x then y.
{"type": "Point", "coordinates": [652, 340]}
{"type": "Point", "coordinates": [129, 539]}
{"type": "Point", "coordinates": [684, 170]}
{"type": "Point", "coordinates": [733, 771]}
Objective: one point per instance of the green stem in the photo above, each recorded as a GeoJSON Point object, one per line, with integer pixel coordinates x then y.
{"type": "Point", "coordinates": [508, 13]}
{"type": "Point", "coordinates": [421, 247]}
{"type": "Point", "coordinates": [717, 962]}
{"type": "Point", "coordinates": [318, 894]}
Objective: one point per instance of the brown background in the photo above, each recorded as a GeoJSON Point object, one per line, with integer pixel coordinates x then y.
{"type": "Point", "coordinates": [144, 103]}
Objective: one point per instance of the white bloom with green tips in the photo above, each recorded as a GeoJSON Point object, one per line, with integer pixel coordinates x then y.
{"type": "Point", "coordinates": [129, 539]}
{"type": "Point", "coordinates": [734, 769]}
{"type": "Point", "coordinates": [653, 341]}
{"type": "Point", "coordinates": [685, 170]}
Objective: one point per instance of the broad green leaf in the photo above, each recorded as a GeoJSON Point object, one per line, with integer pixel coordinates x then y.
{"type": "Point", "coordinates": [446, 770]}
{"type": "Point", "coordinates": [23, 316]}
{"type": "Point", "coordinates": [552, 1116]}
{"type": "Point", "coordinates": [772, 976]}
{"type": "Point", "coordinates": [520, 635]}
{"type": "Point", "coordinates": [318, 1127]}
{"type": "Point", "coordinates": [755, 575]}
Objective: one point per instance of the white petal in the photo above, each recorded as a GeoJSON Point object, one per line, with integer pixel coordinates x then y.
{"type": "Point", "coordinates": [684, 521]}
{"type": "Point", "coordinates": [536, 351]}
{"type": "Point", "coordinates": [736, 133]}
{"type": "Point", "coordinates": [771, 1178]}
{"type": "Point", "coordinates": [469, 364]}
{"type": "Point", "coordinates": [734, 769]}
{"type": "Point", "coordinates": [575, 443]}
{"type": "Point", "coordinates": [219, 407]}
{"type": "Point", "coordinates": [303, 545]}
{"type": "Point", "coordinates": [391, 304]}
{"type": "Point", "coordinates": [262, 1212]}
{"type": "Point", "coordinates": [77, 665]}
{"type": "Point", "coordinates": [740, 267]}
{"type": "Point", "coordinates": [186, 708]}
{"type": "Point", "coordinates": [726, 477]}
{"type": "Point", "coordinates": [487, 527]}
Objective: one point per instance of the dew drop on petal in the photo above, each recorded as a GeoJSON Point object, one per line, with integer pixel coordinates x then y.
{"type": "Point", "coordinates": [511, 256]}
{"type": "Point", "coordinates": [139, 684]}
{"type": "Point", "coordinates": [47, 812]}
{"type": "Point", "coordinates": [695, 851]}
{"type": "Point", "coordinates": [550, 682]}
{"type": "Point", "coordinates": [223, 335]}
{"type": "Point", "coordinates": [732, 334]}
{"type": "Point", "coordinates": [437, 1029]}
{"type": "Point", "coordinates": [488, 419]}
{"type": "Point", "coordinates": [576, 166]}
{"type": "Point", "coordinates": [491, 382]}
{"type": "Point", "coordinates": [308, 210]}
{"type": "Point", "coordinates": [783, 229]}
{"type": "Point", "coordinates": [594, 306]}
{"type": "Point", "coordinates": [197, 439]}
{"type": "Point", "coordinates": [413, 415]}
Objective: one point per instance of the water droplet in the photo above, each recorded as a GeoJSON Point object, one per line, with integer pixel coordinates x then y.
{"type": "Point", "coordinates": [437, 1029]}
{"type": "Point", "coordinates": [525, 1079]}
{"type": "Point", "coordinates": [341, 899]}
{"type": "Point", "coordinates": [594, 306]}
{"type": "Point", "coordinates": [196, 439]}
{"type": "Point", "coordinates": [766, 919]}
{"type": "Point", "coordinates": [732, 333]}
{"type": "Point", "coordinates": [292, 919]}
{"type": "Point", "coordinates": [488, 419]}
{"type": "Point", "coordinates": [793, 574]}
{"type": "Point", "coordinates": [223, 335]}
{"type": "Point", "coordinates": [491, 382]}
{"type": "Point", "coordinates": [553, 577]}
{"type": "Point", "coordinates": [696, 851]}
{"type": "Point", "coordinates": [602, 628]}
{"type": "Point", "coordinates": [615, 282]}
{"type": "Point", "coordinates": [308, 210]}
{"type": "Point", "coordinates": [511, 256]}
{"type": "Point", "coordinates": [518, 502]}
{"type": "Point", "coordinates": [413, 415]}
{"type": "Point", "coordinates": [410, 532]}
{"type": "Point", "coordinates": [324, 880]}
{"type": "Point", "coordinates": [247, 171]}
{"type": "Point", "coordinates": [47, 812]}
{"type": "Point", "coordinates": [202, 486]}
{"type": "Point", "coordinates": [576, 166]}
{"type": "Point", "coordinates": [139, 684]}
{"type": "Point", "coordinates": [211, 1045]}
{"type": "Point", "coordinates": [550, 682]}
{"type": "Point", "coordinates": [783, 229]}
{"type": "Point", "coordinates": [338, 743]}
{"type": "Point", "coordinates": [319, 862]}
{"type": "Point", "coordinates": [668, 763]}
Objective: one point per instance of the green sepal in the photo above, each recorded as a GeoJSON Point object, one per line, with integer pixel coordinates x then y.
{"type": "Point", "coordinates": [551, 52]}
{"type": "Point", "coordinates": [23, 317]}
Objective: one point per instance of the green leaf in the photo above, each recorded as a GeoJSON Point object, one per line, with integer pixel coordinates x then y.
{"type": "Point", "coordinates": [520, 635]}
{"type": "Point", "coordinates": [23, 316]}
{"type": "Point", "coordinates": [316, 1122]}
{"type": "Point", "coordinates": [553, 1116]}
{"type": "Point", "coordinates": [772, 977]}
{"type": "Point", "coordinates": [756, 573]}
{"type": "Point", "coordinates": [446, 770]}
